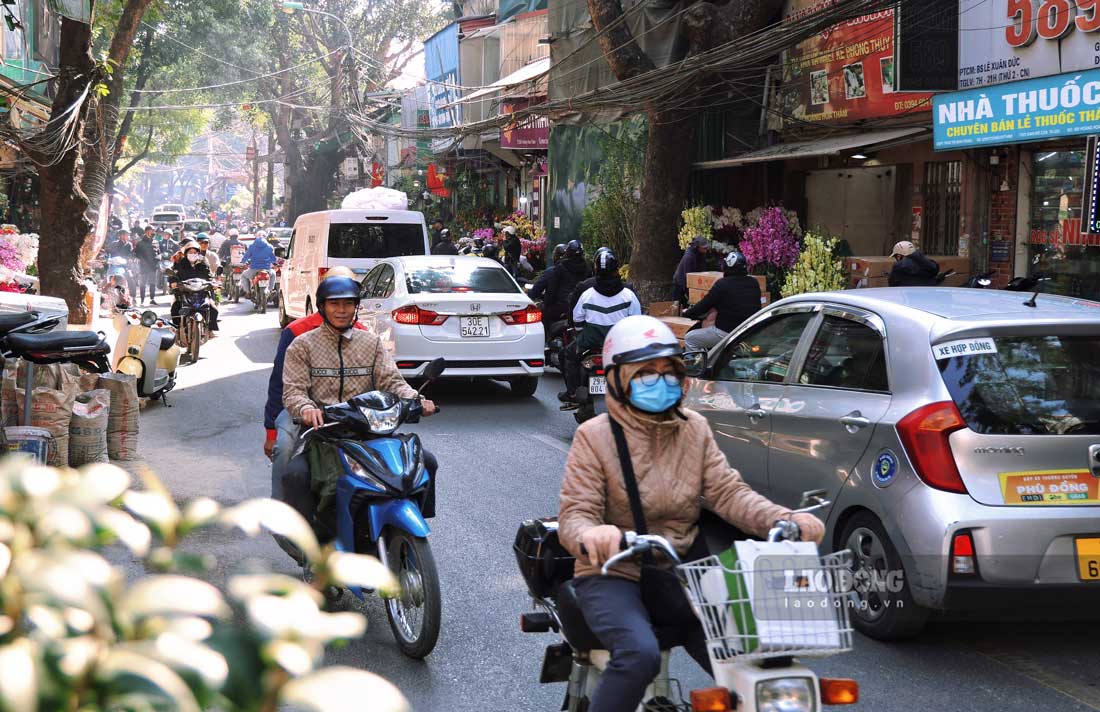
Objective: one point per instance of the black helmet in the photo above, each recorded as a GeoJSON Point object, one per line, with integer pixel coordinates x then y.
{"type": "Point", "coordinates": [338, 288]}
{"type": "Point", "coordinates": [607, 263]}
{"type": "Point", "coordinates": [735, 263]}
{"type": "Point", "coordinates": [574, 249]}
{"type": "Point", "coordinates": [559, 252]}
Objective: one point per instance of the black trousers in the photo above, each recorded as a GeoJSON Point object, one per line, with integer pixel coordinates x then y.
{"type": "Point", "coordinates": [146, 280]}
{"type": "Point", "coordinates": [571, 363]}
{"type": "Point", "coordinates": [614, 610]}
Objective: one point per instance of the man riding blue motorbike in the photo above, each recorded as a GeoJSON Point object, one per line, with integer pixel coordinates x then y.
{"type": "Point", "coordinates": [323, 367]}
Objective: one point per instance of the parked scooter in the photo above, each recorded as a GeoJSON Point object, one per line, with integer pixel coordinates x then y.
{"type": "Point", "coordinates": [382, 499]}
{"type": "Point", "coordinates": [769, 678]}
{"type": "Point", "coordinates": [146, 349]}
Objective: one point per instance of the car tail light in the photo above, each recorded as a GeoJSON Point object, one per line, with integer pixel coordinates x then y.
{"type": "Point", "coordinates": [536, 363]}
{"type": "Point", "coordinates": [530, 315]}
{"type": "Point", "coordinates": [962, 554]}
{"type": "Point", "coordinates": [711, 699]}
{"type": "Point", "coordinates": [321, 272]}
{"type": "Point", "coordinates": [412, 314]}
{"type": "Point", "coordinates": [925, 433]}
{"type": "Point", "coordinates": [408, 364]}
{"type": "Point", "coordinates": [839, 691]}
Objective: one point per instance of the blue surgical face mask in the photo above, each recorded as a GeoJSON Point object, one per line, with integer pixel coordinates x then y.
{"type": "Point", "coordinates": [655, 393]}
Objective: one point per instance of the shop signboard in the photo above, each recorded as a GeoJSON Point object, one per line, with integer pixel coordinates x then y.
{"type": "Point", "coordinates": [1032, 110]}
{"type": "Point", "coordinates": [530, 133]}
{"type": "Point", "coordinates": [845, 73]}
{"type": "Point", "coordinates": [1006, 41]}
{"type": "Point", "coordinates": [441, 70]}
{"type": "Point", "coordinates": [1090, 210]}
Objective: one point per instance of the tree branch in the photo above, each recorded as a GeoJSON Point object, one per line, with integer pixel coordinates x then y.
{"type": "Point", "coordinates": [623, 54]}
{"type": "Point", "coordinates": [144, 152]}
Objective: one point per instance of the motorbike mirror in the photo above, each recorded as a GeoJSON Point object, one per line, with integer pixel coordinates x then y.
{"type": "Point", "coordinates": [696, 363]}
{"type": "Point", "coordinates": [148, 318]}
{"type": "Point", "coordinates": [812, 497]}
{"type": "Point", "coordinates": [435, 369]}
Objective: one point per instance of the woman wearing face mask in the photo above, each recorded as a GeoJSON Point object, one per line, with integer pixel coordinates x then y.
{"type": "Point", "coordinates": [190, 264]}
{"type": "Point", "coordinates": [677, 468]}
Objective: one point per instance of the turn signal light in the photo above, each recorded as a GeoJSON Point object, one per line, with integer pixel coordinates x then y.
{"type": "Point", "coordinates": [925, 433]}
{"type": "Point", "coordinates": [412, 314]}
{"type": "Point", "coordinates": [321, 272]}
{"type": "Point", "coordinates": [839, 691]}
{"type": "Point", "coordinates": [962, 554]}
{"type": "Point", "coordinates": [711, 699]}
{"type": "Point", "coordinates": [530, 315]}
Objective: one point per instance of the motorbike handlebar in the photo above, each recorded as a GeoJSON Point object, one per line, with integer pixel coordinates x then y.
{"type": "Point", "coordinates": [633, 544]}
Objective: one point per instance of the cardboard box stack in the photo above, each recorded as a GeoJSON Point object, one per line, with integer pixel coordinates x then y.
{"type": "Point", "coordinates": [868, 272]}
{"type": "Point", "coordinates": [699, 283]}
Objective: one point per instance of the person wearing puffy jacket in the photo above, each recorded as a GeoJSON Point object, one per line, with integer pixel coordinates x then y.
{"type": "Point", "coordinates": [736, 297]}
{"type": "Point", "coordinates": [260, 255]}
{"type": "Point", "coordinates": [911, 267]}
{"type": "Point", "coordinates": [677, 467]}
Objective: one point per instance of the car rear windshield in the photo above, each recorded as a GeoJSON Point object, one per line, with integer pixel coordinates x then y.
{"type": "Point", "coordinates": [1030, 385]}
{"type": "Point", "coordinates": [363, 240]}
{"type": "Point", "coordinates": [459, 279]}
{"type": "Point", "coordinates": [195, 225]}
{"type": "Point", "coordinates": [166, 217]}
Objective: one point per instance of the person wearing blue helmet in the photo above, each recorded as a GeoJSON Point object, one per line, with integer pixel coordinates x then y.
{"type": "Point", "coordinates": [329, 365]}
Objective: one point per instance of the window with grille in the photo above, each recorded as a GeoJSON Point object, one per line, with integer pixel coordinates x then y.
{"type": "Point", "coordinates": [942, 188]}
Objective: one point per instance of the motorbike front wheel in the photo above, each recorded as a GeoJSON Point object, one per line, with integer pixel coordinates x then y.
{"type": "Point", "coordinates": [194, 339]}
{"type": "Point", "coordinates": [414, 614]}
{"type": "Point", "coordinates": [260, 298]}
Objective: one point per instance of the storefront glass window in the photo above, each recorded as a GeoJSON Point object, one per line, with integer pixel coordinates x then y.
{"type": "Point", "coordinates": [1057, 248]}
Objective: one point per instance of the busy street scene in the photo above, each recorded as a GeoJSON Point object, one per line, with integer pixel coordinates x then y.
{"type": "Point", "coordinates": [549, 355]}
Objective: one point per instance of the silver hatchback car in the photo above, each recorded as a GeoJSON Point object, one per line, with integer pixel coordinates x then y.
{"type": "Point", "coordinates": [957, 432]}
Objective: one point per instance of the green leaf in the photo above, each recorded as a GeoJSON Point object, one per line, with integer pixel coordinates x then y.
{"type": "Point", "coordinates": [19, 677]}
{"type": "Point", "coordinates": [361, 570]}
{"type": "Point", "coordinates": [170, 595]}
{"type": "Point", "coordinates": [343, 689]}
{"type": "Point", "coordinates": [155, 509]}
{"type": "Point", "coordinates": [126, 672]}
{"type": "Point", "coordinates": [257, 515]}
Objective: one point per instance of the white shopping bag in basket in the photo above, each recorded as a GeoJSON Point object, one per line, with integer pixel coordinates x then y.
{"type": "Point", "coordinates": [779, 597]}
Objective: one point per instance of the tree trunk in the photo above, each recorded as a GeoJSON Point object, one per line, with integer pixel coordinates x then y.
{"type": "Point", "coordinates": [670, 149]}
{"type": "Point", "coordinates": [100, 158]}
{"type": "Point", "coordinates": [671, 144]}
{"type": "Point", "coordinates": [64, 223]}
{"type": "Point", "coordinates": [311, 183]}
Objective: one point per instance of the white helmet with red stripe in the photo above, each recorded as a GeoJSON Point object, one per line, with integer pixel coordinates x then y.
{"type": "Point", "coordinates": [639, 338]}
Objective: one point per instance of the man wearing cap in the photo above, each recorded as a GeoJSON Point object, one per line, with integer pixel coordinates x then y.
{"type": "Point", "coordinates": [209, 255]}
{"type": "Point", "coordinates": [911, 267]}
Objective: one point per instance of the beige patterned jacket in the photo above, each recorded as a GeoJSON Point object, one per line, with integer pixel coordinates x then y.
{"type": "Point", "coordinates": [323, 367]}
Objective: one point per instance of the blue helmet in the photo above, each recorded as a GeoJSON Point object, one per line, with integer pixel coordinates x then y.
{"type": "Point", "coordinates": [338, 288]}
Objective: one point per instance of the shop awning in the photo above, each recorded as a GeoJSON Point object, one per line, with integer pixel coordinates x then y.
{"type": "Point", "coordinates": [831, 146]}
{"type": "Point", "coordinates": [529, 72]}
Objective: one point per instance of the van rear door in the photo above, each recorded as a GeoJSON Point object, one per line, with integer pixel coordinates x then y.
{"type": "Point", "coordinates": [360, 245]}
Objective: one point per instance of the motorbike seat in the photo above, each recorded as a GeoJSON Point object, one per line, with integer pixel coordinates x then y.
{"type": "Point", "coordinates": [14, 321]}
{"type": "Point", "coordinates": [167, 338]}
{"type": "Point", "coordinates": [54, 341]}
{"type": "Point", "coordinates": [581, 637]}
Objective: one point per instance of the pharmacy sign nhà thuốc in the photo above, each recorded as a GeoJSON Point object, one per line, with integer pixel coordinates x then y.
{"type": "Point", "coordinates": [1033, 110]}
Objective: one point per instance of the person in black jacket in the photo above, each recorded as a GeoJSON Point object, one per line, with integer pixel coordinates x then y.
{"type": "Point", "coordinates": [694, 260]}
{"type": "Point", "coordinates": [736, 297]}
{"type": "Point", "coordinates": [513, 249]}
{"type": "Point", "coordinates": [147, 254]}
{"type": "Point", "coordinates": [557, 288]}
{"type": "Point", "coordinates": [443, 245]}
{"type": "Point", "coordinates": [911, 267]}
{"type": "Point", "coordinates": [191, 264]}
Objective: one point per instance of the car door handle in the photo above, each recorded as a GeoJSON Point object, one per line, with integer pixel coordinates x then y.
{"type": "Point", "coordinates": [756, 412]}
{"type": "Point", "coordinates": [855, 421]}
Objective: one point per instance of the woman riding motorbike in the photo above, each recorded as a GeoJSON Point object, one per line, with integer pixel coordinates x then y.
{"type": "Point", "coordinates": [191, 265]}
{"type": "Point", "coordinates": [677, 467]}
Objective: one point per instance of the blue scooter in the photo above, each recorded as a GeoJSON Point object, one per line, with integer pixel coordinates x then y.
{"type": "Point", "coordinates": [381, 501]}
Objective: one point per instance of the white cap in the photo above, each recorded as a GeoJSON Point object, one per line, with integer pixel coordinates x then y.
{"type": "Point", "coordinates": [639, 338]}
{"type": "Point", "coordinates": [510, 229]}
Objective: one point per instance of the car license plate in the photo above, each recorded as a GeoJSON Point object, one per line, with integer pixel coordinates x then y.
{"type": "Point", "coordinates": [473, 326]}
{"type": "Point", "coordinates": [597, 386]}
{"type": "Point", "coordinates": [1088, 558]}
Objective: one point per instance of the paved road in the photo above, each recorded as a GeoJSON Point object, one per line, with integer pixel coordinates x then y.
{"type": "Point", "coordinates": [501, 461]}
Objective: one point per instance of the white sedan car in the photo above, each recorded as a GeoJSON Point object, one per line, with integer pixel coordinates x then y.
{"type": "Point", "coordinates": [468, 310]}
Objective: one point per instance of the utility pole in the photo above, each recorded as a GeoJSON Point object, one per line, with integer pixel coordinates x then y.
{"type": "Point", "coordinates": [251, 155]}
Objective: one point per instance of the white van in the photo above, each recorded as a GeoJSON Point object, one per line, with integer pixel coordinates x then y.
{"type": "Point", "coordinates": [357, 239]}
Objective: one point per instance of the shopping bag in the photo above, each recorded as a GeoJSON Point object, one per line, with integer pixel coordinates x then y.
{"type": "Point", "coordinates": [780, 598]}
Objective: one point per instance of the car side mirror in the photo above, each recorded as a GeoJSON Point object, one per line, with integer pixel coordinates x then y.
{"type": "Point", "coordinates": [696, 363]}
{"type": "Point", "coordinates": [280, 252]}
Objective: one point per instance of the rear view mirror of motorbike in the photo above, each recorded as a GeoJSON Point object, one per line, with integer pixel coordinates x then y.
{"type": "Point", "coordinates": [148, 318]}
{"type": "Point", "coordinates": [435, 369]}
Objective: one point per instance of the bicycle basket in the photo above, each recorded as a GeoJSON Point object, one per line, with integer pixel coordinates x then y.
{"type": "Point", "coordinates": [787, 605]}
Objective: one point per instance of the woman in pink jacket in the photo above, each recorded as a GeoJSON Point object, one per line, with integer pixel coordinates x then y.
{"type": "Point", "coordinates": [677, 467]}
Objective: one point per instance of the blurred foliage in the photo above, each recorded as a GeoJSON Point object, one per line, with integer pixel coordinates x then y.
{"type": "Point", "coordinates": [609, 218]}
{"type": "Point", "coordinates": [75, 636]}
